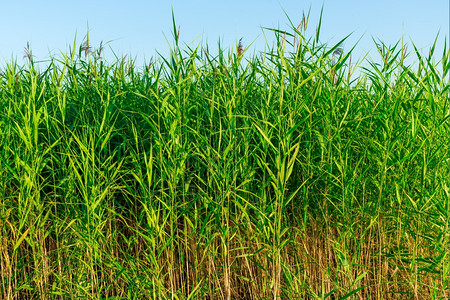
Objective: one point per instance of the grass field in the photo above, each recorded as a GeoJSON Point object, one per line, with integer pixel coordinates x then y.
{"type": "Point", "coordinates": [226, 176]}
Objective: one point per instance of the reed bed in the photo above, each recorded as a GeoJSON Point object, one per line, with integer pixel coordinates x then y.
{"type": "Point", "coordinates": [226, 176]}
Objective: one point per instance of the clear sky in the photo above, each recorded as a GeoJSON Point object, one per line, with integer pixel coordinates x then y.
{"type": "Point", "coordinates": [137, 28]}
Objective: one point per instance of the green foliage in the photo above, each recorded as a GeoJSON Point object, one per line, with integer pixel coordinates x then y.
{"type": "Point", "coordinates": [206, 177]}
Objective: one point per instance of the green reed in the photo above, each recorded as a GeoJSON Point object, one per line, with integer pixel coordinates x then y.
{"type": "Point", "coordinates": [226, 176]}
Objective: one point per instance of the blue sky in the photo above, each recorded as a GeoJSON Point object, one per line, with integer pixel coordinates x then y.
{"type": "Point", "coordinates": [137, 28]}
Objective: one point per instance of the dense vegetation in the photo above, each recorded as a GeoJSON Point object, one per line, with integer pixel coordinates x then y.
{"type": "Point", "coordinates": [225, 176]}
